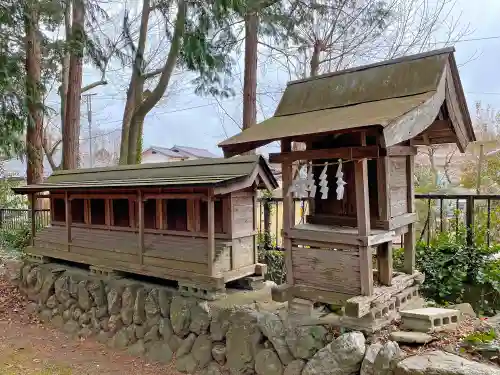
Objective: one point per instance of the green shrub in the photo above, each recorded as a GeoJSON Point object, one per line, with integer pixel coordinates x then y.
{"type": "Point", "coordinates": [16, 239]}
{"type": "Point", "coordinates": [455, 272]}
{"type": "Point", "coordinates": [275, 260]}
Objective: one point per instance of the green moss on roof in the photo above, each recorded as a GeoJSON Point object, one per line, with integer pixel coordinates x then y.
{"type": "Point", "coordinates": [200, 172]}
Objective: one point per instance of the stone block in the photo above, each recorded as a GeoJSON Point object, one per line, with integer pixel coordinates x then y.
{"type": "Point", "coordinates": [429, 319]}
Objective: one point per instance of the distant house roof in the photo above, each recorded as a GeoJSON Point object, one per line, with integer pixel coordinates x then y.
{"type": "Point", "coordinates": [199, 172]}
{"type": "Point", "coordinates": [403, 97]}
{"type": "Point", "coordinates": [182, 152]}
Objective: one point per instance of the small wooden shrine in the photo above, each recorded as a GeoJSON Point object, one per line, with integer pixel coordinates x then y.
{"type": "Point", "coordinates": [190, 221]}
{"type": "Point", "coordinates": [365, 124]}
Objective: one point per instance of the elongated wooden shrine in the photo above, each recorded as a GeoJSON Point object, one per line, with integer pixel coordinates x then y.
{"type": "Point", "coordinates": [372, 118]}
{"type": "Point", "coordinates": [191, 221]}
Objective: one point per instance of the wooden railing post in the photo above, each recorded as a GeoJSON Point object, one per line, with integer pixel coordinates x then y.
{"type": "Point", "coordinates": [141, 226]}
{"type": "Point", "coordinates": [67, 203]}
{"type": "Point", "coordinates": [33, 218]}
{"type": "Point", "coordinates": [211, 234]}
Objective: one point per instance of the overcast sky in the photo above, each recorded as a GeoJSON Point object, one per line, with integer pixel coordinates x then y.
{"type": "Point", "coordinates": [187, 119]}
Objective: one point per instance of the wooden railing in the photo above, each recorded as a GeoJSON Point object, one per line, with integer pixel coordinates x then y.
{"type": "Point", "coordinates": [475, 215]}
{"type": "Point", "coordinates": [18, 218]}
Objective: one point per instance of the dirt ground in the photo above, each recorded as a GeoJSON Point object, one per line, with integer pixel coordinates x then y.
{"type": "Point", "coordinates": [27, 347]}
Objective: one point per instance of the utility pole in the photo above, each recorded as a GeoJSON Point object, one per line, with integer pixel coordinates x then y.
{"type": "Point", "coordinates": [88, 100]}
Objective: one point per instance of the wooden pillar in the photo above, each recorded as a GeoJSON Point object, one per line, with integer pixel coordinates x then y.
{"type": "Point", "coordinates": [67, 205]}
{"type": "Point", "coordinates": [384, 263]}
{"type": "Point", "coordinates": [141, 226]}
{"type": "Point", "coordinates": [288, 210]}
{"type": "Point", "coordinates": [107, 212]}
{"type": "Point", "coordinates": [33, 218]}
{"type": "Point", "coordinates": [409, 237]}
{"type": "Point", "coordinates": [363, 216]}
{"type": "Point", "coordinates": [211, 234]}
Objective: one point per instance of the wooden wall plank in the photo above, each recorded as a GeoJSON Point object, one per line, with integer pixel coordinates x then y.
{"type": "Point", "coordinates": [332, 270]}
{"type": "Point", "coordinates": [211, 235]}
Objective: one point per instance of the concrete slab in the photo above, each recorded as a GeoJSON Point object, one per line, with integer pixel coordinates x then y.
{"type": "Point", "coordinates": [429, 319]}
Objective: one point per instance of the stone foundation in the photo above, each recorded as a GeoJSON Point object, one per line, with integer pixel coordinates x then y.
{"type": "Point", "coordinates": [244, 332]}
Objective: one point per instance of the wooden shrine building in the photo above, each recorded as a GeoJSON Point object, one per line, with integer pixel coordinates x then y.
{"type": "Point", "coordinates": [372, 118]}
{"type": "Point", "coordinates": [190, 221]}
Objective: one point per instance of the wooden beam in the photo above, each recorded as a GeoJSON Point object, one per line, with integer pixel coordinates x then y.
{"type": "Point", "coordinates": [159, 214]}
{"type": "Point", "coordinates": [174, 196]}
{"type": "Point", "coordinates": [288, 210]}
{"type": "Point", "coordinates": [211, 234]}
{"type": "Point", "coordinates": [384, 190]}
{"type": "Point", "coordinates": [409, 237]}
{"type": "Point", "coordinates": [398, 151]}
{"type": "Point", "coordinates": [362, 199]}
{"type": "Point", "coordinates": [141, 227]}
{"type": "Point", "coordinates": [102, 196]}
{"type": "Point", "coordinates": [107, 212]}
{"type": "Point", "coordinates": [384, 263]}
{"type": "Point", "coordinates": [366, 270]}
{"type": "Point", "coordinates": [348, 153]}
{"type": "Point", "coordinates": [67, 205]}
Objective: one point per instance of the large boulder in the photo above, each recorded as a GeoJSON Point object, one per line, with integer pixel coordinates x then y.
{"type": "Point", "coordinates": [139, 304]}
{"type": "Point", "coordinates": [442, 363]}
{"type": "Point", "coordinates": [219, 325]}
{"type": "Point", "coordinates": [114, 301]}
{"type": "Point", "coordinates": [180, 314]}
{"type": "Point", "coordinates": [273, 328]}
{"type": "Point", "coordinates": [267, 362]}
{"type": "Point", "coordinates": [84, 300]}
{"type": "Point", "coordinates": [305, 341]}
{"type": "Point", "coordinates": [200, 318]}
{"type": "Point", "coordinates": [164, 299]}
{"type": "Point", "coordinates": [160, 352]}
{"type": "Point", "coordinates": [343, 356]}
{"type": "Point", "coordinates": [242, 342]}
{"type": "Point", "coordinates": [202, 351]}
{"type": "Point", "coordinates": [295, 367]}
{"type": "Point", "coordinates": [387, 358]}
{"type": "Point", "coordinates": [369, 360]}
{"type": "Point", "coordinates": [61, 289]}
{"type": "Point", "coordinates": [96, 290]}
{"type": "Point", "coordinates": [151, 305]}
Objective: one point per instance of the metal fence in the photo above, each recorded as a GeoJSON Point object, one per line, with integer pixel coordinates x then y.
{"type": "Point", "coordinates": [18, 218]}
{"type": "Point", "coordinates": [475, 216]}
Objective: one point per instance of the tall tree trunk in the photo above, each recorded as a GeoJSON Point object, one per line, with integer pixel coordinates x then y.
{"type": "Point", "coordinates": [71, 130]}
{"type": "Point", "coordinates": [250, 78]}
{"type": "Point", "coordinates": [315, 58]}
{"type": "Point", "coordinates": [152, 99]}
{"type": "Point", "coordinates": [34, 133]}
{"type": "Point", "coordinates": [63, 91]}
{"type": "Point", "coordinates": [136, 84]}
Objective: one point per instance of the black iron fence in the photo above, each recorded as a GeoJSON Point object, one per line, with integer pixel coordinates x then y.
{"type": "Point", "coordinates": [18, 218]}
{"type": "Point", "coordinates": [477, 217]}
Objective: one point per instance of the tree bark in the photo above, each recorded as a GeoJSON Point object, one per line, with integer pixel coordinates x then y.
{"type": "Point", "coordinates": [136, 83]}
{"type": "Point", "coordinates": [34, 165]}
{"type": "Point", "coordinates": [63, 91]}
{"type": "Point", "coordinates": [71, 129]}
{"type": "Point", "coordinates": [250, 76]}
{"type": "Point", "coordinates": [152, 99]}
{"type": "Point", "coordinates": [315, 58]}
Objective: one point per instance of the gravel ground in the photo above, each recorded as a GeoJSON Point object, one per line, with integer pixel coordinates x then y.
{"type": "Point", "coordinates": [27, 347]}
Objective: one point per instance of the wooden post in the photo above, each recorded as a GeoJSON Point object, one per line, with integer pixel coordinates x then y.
{"type": "Point", "coordinates": [384, 263]}
{"type": "Point", "coordinates": [409, 237]}
{"type": "Point", "coordinates": [33, 218]}
{"type": "Point", "coordinates": [211, 234]}
{"type": "Point", "coordinates": [267, 222]}
{"type": "Point", "coordinates": [362, 200]}
{"type": "Point", "coordinates": [366, 270]}
{"type": "Point", "coordinates": [255, 245]}
{"type": "Point", "coordinates": [141, 227]}
{"type": "Point", "coordinates": [288, 210]}
{"type": "Point", "coordinates": [107, 212]}
{"type": "Point", "coordinates": [67, 205]}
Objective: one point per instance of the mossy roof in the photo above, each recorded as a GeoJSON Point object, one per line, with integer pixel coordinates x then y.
{"type": "Point", "coordinates": [372, 95]}
{"type": "Point", "coordinates": [200, 172]}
